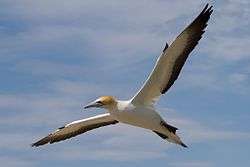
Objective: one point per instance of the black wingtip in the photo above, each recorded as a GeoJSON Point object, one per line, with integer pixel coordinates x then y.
{"type": "Point", "coordinates": [208, 8]}
{"type": "Point", "coordinates": [165, 48]}
{"type": "Point", "coordinates": [184, 145]}
{"type": "Point", "coordinates": [37, 144]}
{"type": "Point", "coordinates": [42, 141]}
{"type": "Point", "coordinates": [207, 4]}
{"type": "Point", "coordinates": [33, 145]}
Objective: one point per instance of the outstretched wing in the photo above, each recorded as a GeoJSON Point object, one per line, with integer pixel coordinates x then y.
{"type": "Point", "coordinates": [171, 61]}
{"type": "Point", "coordinates": [75, 128]}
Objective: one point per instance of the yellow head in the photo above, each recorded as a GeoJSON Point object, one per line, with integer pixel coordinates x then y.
{"type": "Point", "coordinates": [103, 102]}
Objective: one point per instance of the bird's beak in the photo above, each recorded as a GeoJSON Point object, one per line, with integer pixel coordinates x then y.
{"type": "Point", "coordinates": [93, 104]}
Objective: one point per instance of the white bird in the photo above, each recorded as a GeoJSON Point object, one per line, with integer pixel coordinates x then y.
{"type": "Point", "coordinates": [139, 111]}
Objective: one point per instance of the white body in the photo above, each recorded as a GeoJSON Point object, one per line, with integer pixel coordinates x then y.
{"type": "Point", "coordinates": [142, 116]}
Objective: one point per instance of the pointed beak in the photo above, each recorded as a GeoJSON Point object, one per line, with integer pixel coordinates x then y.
{"type": "Point", "coordinates": [93, 104]}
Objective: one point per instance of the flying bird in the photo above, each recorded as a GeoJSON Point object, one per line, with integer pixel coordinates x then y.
{"type": "Point", "coordinates": [139, 110]}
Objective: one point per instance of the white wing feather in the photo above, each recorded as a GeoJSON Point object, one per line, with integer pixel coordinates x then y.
{"type": "Point", "coordinates": [77, 127]}
{"type": "Point", "coordinates": [171, 61]}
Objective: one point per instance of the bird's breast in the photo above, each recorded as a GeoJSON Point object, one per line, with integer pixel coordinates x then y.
{"type": "Point", "coordinates": [141, 117]}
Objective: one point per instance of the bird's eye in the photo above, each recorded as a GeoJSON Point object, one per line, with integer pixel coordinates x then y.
{"type": "Point", "coordinates": [99, 102]}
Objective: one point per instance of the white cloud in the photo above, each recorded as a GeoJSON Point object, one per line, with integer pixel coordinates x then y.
{"type": "Point", "coordinates": [14, 162]}
{"type": "Point", "coordinates": [196, 132]}
{"type": "Point", "coordinates": [200, 80]}
{"type": "Point", "coordinates": [117, 143]}
{"type": "Point", "coordinates": [50, 69]}
{"type": "Point", "coordinates": [123, 10]}
{"type": "Point", "coordinates": [228, 48]}
{"type": "Point", "coordinates": [111, 32]}
{"type": "Point", "coordinates": [227, 16]}
{"type": "Point", "coordinates": [125, 33]}
{"type": "Point", "coordinates": [192, 164]}
{"type": "Point", "coordinates": [238, 78]}
{"type": "Point", "coordinates": [113, 42]}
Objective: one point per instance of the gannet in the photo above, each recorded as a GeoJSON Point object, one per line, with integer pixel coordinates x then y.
{"type": "Point", "coordinates": [139, 110]}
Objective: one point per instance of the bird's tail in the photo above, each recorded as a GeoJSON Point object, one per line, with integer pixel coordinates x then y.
{"type": "Point", "coordinates": [171, 137]}
{"type": "Point", "coordinates": [174, 138]}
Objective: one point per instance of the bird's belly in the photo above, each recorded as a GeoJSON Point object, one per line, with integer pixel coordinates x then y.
{"type": "Point", "coordinates": [144, 119]}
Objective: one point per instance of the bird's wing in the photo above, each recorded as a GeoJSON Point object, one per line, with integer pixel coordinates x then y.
{"type": "Point", "coordinates": [171, 61]}
{"type": "Point", "coordinates": [75, 128]}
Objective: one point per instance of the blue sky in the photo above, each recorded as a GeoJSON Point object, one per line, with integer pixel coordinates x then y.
{"type": "Point", "coordinates": [58, 55]}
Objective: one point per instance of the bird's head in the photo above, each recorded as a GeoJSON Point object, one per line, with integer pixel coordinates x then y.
{"type": "Point", "coordinates": [103, 102]}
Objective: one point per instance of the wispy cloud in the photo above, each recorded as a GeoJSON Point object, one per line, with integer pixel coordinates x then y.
{"type": "Point", "coordinates": [229, 48]}
{"type": "Point", "coordinates": [192, 164]}
{"type": "Point", "coordinates": [73, 50]}
{"type": "Point", "coordinates": [13, 162]}
{"type": "Point", "coordinates": [196, 131]}
{"type": "Point", "coordinates": [116, 143]}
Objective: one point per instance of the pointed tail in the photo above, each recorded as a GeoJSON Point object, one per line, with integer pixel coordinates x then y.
{"type": "Point", "coordinates": [173, 138]}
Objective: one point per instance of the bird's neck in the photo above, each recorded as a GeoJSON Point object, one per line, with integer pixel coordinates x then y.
{"type": "Point", "coordinates": [120, 105]}
{"type": "Point", "coordinates": [112, 107]}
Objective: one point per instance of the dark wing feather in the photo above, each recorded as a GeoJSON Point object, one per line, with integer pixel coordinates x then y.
{"type": "Point", "coordinates": [171, 61]}
{"type": "Point", "coordinates": [72, 130]}
{"type": "Point", "coordinates": [195, 31]}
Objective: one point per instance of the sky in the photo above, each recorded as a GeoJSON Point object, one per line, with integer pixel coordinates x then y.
{"type": "Point", "coordinates": [56, 56]}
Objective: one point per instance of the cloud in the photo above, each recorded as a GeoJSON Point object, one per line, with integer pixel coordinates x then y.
{"type": "Point", "coordinates": [63, 45]}
{"type": "Point", "coordinates": [13, 162]}
{"type": "Point", "coordinates": [40, 42]}
{"type": "Point", "coordinates": [238, 78]}
{"type": "Point", "coordinates": [191, 164]}
{"type": "Point", "coordinates": [227, 17]}
{"type": "Point", "coordinates": [115, 143]}
{"type": "Point", "coordinates": [43, 68]}
{"type": "Point", "coordinates": [67, 28]}
{"type": "Point", "coordinates": [229, 48]}
{"type": "Point", "coordinates": [45, 11]}
{"type": "Point", "coordinates": [196, 132]}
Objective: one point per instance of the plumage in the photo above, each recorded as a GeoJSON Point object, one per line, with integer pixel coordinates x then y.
{"type": "Point", "coordinates": [77, 127]}
{"type": "Point", "coordinates": [171, 61]}
{"type": "Point", "coordinates": [139, 111]}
